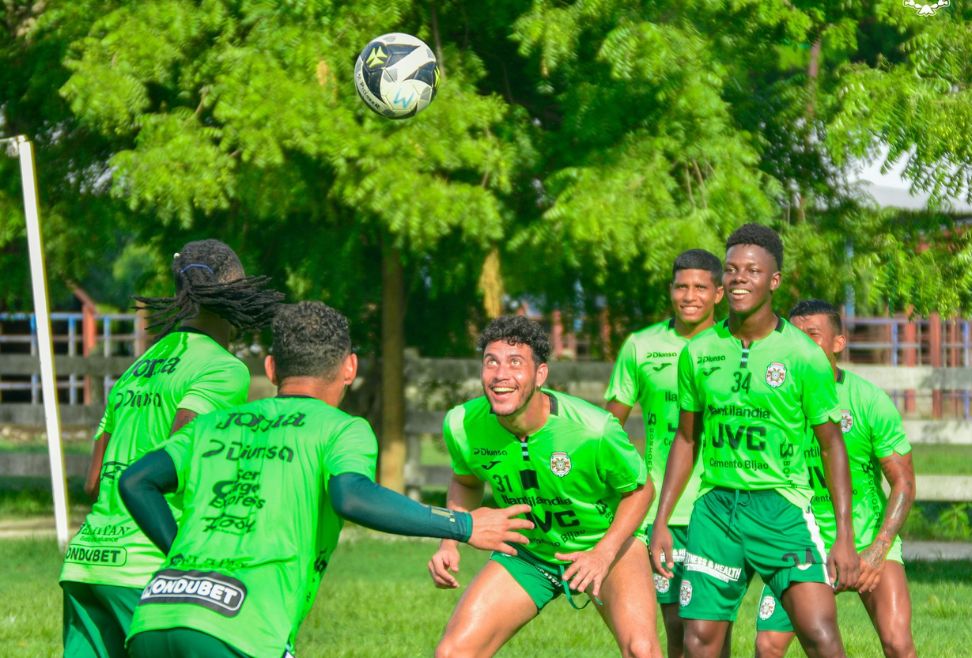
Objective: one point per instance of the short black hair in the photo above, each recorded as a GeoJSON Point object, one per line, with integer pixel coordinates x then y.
{"type": "Point", "coordinates": [807, 307]}
{"type": "Point", "coordinates": [761, 236]}
{"type": "Point", "coordinates": [208, 274]}
{"type": "Point", "coordinates": [310, 339]}
{"type": "Point", "coordinates": [699, 259]}
{"type": "Point", "coordinates": [518, 330]}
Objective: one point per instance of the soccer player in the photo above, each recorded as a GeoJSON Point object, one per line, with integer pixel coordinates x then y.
{"type": "Point", "coordinates": [588, 487]}
{"type": "Point", "coordinates": [265, 486]}
{"type": "Point", "coordinates": [646, 374]}
{"type": "Point", "coordinates": [751, 384]}
{"type": "Point", "coordinates": [186, 373]}
{"type": "Point", "coordinates": [876, 443]}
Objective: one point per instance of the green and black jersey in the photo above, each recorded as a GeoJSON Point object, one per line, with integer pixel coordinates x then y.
{"type": "Point", "coordinates": [646, 373]}
{"type": "Point", "coordinates": [756, 402]}
{"type": "Point", "coordinates": [258, 527]}
{"type": "Point", "coordinates": [572, 471]}
{"type": "Point", "coordinates": [184, 370]}
{"type": "Point", "coordinates": [872, 430]}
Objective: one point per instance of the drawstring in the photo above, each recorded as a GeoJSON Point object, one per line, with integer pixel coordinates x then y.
{"type": "Point", "coordinates": [570, 597]}
{"type": "Point", "coordinates": [736, 503]}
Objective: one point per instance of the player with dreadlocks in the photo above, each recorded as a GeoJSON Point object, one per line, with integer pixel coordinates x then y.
{"type": "Point", "coordinates": [187, 372]}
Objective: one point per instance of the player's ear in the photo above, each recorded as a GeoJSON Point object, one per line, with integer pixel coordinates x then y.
{"type": "Point", "coordinates": [840, 342]}
{"type": "Point", "coordinates": [349, 369]}
{"type": "Point", "coordinates": [719, 292]}
{"type": "Point", "coordinates": [775, 281]}
{"type": "Point", "coordinates": [270, 367]}
{"type": "Point", "coordinates": [542, 373]}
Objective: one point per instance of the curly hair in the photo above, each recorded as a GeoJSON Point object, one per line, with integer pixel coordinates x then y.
{"type": "Point", "coordinates": [208, 274]}
{"type": "Point", "coordinates": [310, 339]}
{"type": "Point", "coordinates": [807, 307]}
{"type": "Point", "coordinates": [699, 259]}
{"type": "Point", "coordinates": [517, 330]}
{"type": "Point", "coordinates": [761, 236]}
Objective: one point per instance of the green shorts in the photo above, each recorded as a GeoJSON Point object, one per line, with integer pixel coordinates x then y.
{"type": "Point", "coordinates": [97, 618]}
{"type": "Point", "coordinates": [772, 617]}
{"type": "Point", "coordinates": [666, 589]}
{"type": "Point", "coordinates": [541, 580]}
{"type": "Point", "coordinates": [734, 534]}
{"type": "Point", "coordinates": [180, 643]}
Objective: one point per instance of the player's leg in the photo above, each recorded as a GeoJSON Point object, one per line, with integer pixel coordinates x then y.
{"type": "Point", "coordinates": [774, 632]}
{"type": "Point", "coordinates": [715, 578]}
{"type": "Point", "coordinates": [889, 606]}
{"type": "Point", "coordinates": [813, 610]}
{"type": "Point", "coordinates": [629, 602]}
{"type": "Point", "coordinates": [493, 608]}
{"type": "Point", "coordinates": [90, 628]}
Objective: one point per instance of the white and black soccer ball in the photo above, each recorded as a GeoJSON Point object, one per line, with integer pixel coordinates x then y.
{"type": "Point", "coordinates": [396, 75]}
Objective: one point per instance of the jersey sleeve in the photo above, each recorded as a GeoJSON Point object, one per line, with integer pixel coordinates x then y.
{"type": "Point", "coordinates": [179, 448]}
{"type": "Point", "coordinates": [887, 430]}
{"type": "Point", "coordinates": [688, 394]}
{"type": "Point", "coordinates": [225, 385]}
{"type": "Point", "coordinates": [618, 463]}
{"type": "Point", "coordinates": [107, 424]}
{"type": "Point", "coordinates": [819, 395]}
{"type": "Point", "coordinates": [352, 449]}
{"type": "Point", "coordinates": [454, 435]}
{"type": "Point", "coordinates": [624, 385]}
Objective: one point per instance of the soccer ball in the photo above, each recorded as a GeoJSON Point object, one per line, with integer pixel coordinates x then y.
{"type": "Point", "coordinates": [396, 75]}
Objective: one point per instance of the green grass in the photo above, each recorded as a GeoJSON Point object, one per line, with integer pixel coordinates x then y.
{"type": "Point", "coordinates": [942, 459]}
{"type": "Point", "coordinates": [378, 602]}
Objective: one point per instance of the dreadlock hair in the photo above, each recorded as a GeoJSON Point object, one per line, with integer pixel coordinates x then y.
{"type": "Point", "coordinates": [517, 330]}
{"type": "Point", "coordinates": [699, 259]}
{"type": "Point", "coordinates": [761, 236]}
{"type": "Point", "coordinates": [208, 274]}
{"type": "Point", "coordinates": [807, 307]}
{"type": "Point", "coordinates": [310, 339]}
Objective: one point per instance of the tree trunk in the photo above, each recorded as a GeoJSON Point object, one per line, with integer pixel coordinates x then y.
{"type": "Point", "coordinates": [491, 284]}
{"type": "Point", "coordinates": [392, 459]}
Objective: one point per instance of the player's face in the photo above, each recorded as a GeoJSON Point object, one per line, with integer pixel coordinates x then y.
{"type": "Point", "coordinates": [749, 278]}
{"type": "Point", "coordinates": [510, 376]}
{"type": "Point", "coordinates": [821, 331]}
{"type": "Point", "coordinates": [694, 296]}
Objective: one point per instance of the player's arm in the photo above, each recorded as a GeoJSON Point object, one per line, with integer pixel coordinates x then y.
{"type": "Point", "coordinates": [357, 498]}
{"type": "Point", "coordinates": [92, 483]}
{"type": "Point", "coordinates": [182, 418]}
{"type": "Point", "coordinates": [588, 569]}
{"type": "Point", "coordinates": [678, 471]}
{"type": "Point", "coordinates": [623, 387]}
{"type": "Point", "coordinates": [143, 486]}
{"type": "Point", "coordinates": [843, 562]}
{"type": "Point", "coordinates": [900, 473]}
{"type": "Point", "coordinates": [465, 493]}
{"type": "Point", "coordinates": [620, 410]}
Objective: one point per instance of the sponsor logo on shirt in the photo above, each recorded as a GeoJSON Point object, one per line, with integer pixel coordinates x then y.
{"type": "Point", "coordinates": [722, 572]}
{"type": "Point", "coordinates": [214, 591]}
{"type": "Point", "coordinates": [235, 451]}
{"type": "Point", "coordinates": [109, 557]}
{"type": "Point", "coordinates": [261, 423]}
{"type": "Point", "coordinates": [103, 532]}
{"type": "Point", "coordinates": [112, 470]}
{"type": "Point", "coordinates": [137, 399]}
{"type": "Point", "coordinates": [488, 452]}
{"type": "Point", "coordinates": [775, 374]}
{"type": "Point", "coordinates": [560, 463]}
{"type": "Point", "coordinates": [661, 355]}
{"type": "Point", "coordinates": [738, 412]}
{"type": "Point", "coordinates": [846, 421]}
{"type": "Point", "coordinates": [766, 607]}
{"type": "Point", "coordinates": [148, 368]}
{"type": "Point", "coordinates": [533, 501]}
{"type": "Point", "coordinates": [710, 358]}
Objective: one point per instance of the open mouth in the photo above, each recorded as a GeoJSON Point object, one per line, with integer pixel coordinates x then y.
{"type": "Point", "coordinates": [738, 293]}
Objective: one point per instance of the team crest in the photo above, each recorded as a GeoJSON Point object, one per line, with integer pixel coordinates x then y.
{"type": "Point", "coordinates": [560, 464]}
{"type": "Point", "coordinates": [662, 584]}
{"type": "Point", "coordinates": [775, 374]}
{"type": "Point", "coordinates": [685, 593]}
{"type": "Point", "coordinates": [766, 607]}
{"type": "Point", "coordinates": [846, 421]}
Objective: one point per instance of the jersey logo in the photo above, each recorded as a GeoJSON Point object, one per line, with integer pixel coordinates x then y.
{"type": "Point", "coordinates": [217, 592]}
{"type": "Point", "coordinates": [660, 367]}
{"type": "Point", "coordinates": [685, 593]}
{"type": "Point", "coordinates": [662, 584]}
{"type": "Point", "coordinates": [846, 421]}
{"type": "Point", "coordinates": [775, 374]}
{"type": "Point", "coordinates": [560, 463]}
{"type": "Point", "coordinates": [766, 607]}
{"type": "Point", "coordinates": [709, 371]}
{"type": "Point", "coordinates": [490, 465]}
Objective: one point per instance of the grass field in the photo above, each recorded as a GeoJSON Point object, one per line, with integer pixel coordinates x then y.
{"type": "Point", "coordinates": [378, 602]}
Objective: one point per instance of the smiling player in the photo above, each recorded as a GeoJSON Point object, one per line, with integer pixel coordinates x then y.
{"type": "Point", "coordinates": [587, 484]}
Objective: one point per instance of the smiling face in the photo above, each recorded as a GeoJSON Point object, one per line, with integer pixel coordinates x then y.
{"type": "Point", "coordinates": [694, 296]}
{"type": "Point", "coordinates": [510, 377]}
{"type": "Point", "coordinates": [749, 278]}
{"type": "Point", "coordinates": [821, 331]}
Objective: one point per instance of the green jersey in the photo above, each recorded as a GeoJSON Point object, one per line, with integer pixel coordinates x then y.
{"type": "Point", "coordinates": [872, 431]}
{"type": "Point", "coordinates": [756, 402]}
{"type": "Point", "coordinates": [646, 373]}
{"type": "Point", "coordinates": [258, 528]}
{"type": "Point", "coordinates": [572, 471]}
{"type": "Point", "coordinates": [183, 370]}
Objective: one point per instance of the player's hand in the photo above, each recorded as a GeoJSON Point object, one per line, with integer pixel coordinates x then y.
{"type": "Point", "coordinates": [495, 529]}
{"type": "Point", "coordinates": [662, 549]}
{"type": "Point", "coordinates": [872, 565]}
{"type": "Point", "coordinates": [843, 564]}
{"type": "Point", "coordinates": [588, 569]}
{"type": "Point", "coordinates": [446, 559]}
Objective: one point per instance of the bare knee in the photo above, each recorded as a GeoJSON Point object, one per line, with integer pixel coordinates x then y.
{"type": "Point", "coordinates": [899, 645]}
{"type": "Point", "coordinates": [451, 647]}
{"type": "Point", "coordinates": [639, 647]}
{"type": "Point", "coordinates": [698, 642]}
{"type": "Point", "coordinates": [822, 639]}
{"type": "Point", "coordinates": [768, 646]}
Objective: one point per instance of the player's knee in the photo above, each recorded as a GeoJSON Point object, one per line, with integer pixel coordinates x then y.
{"type": "Point", "coordinates": [822, 640]}
{"type": "Point", "coordinates": [898, 645]}
{"type": "Point", "coordinates": [450, 647]}
{"type": "Point", "coordinates": [768, 647]}
{"type": "Point", "coordinates": [639, 647]}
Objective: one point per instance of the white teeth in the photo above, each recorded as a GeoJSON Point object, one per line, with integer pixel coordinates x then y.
{"type": "Point", "coordinates": [497, 389]}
